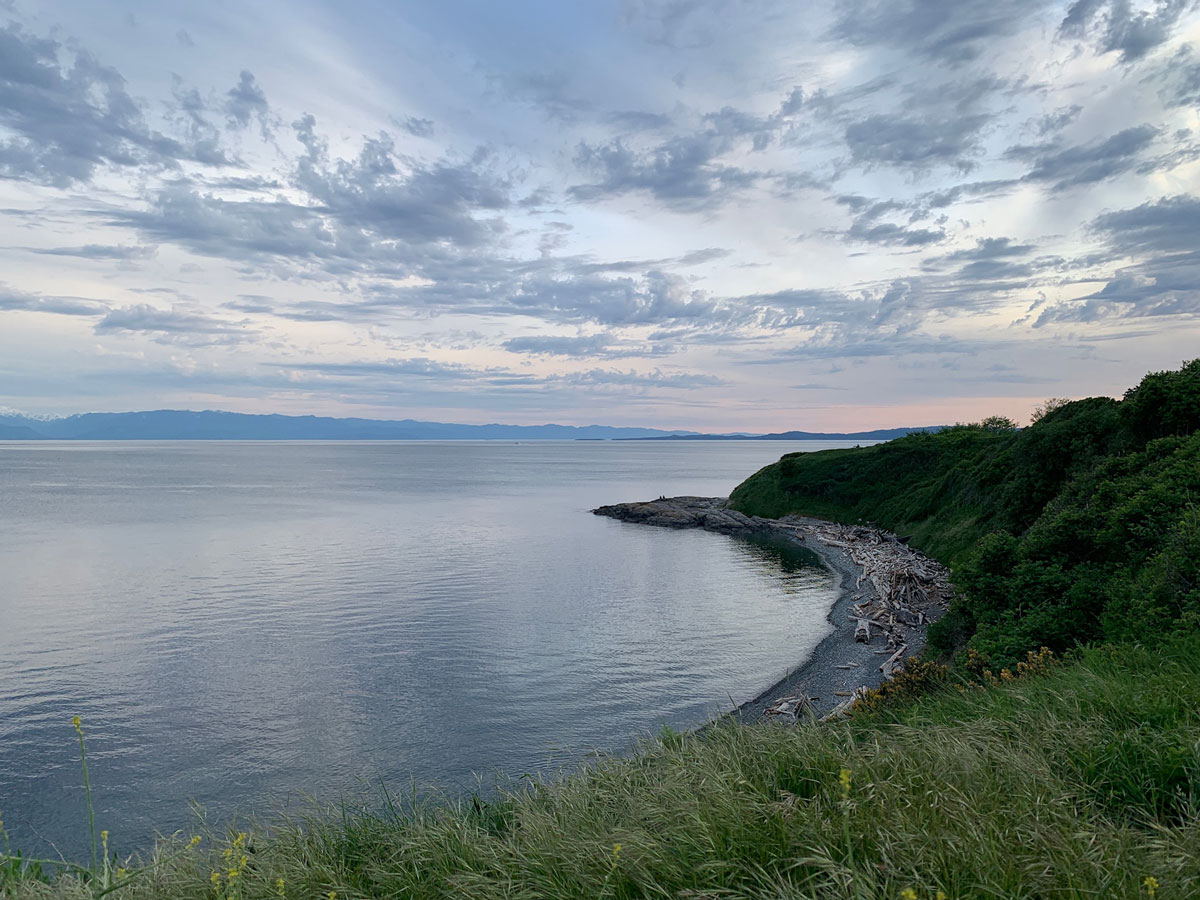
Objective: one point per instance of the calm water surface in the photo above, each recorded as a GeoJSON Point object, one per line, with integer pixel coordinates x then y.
{"type": "Point", "coordinates": [240, 622]}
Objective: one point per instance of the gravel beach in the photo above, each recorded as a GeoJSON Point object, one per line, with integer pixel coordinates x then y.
{"type": "Point", "coordinates": [839, 665]}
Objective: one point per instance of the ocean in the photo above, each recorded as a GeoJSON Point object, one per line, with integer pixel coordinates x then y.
{"type": "Point", "coordinates": [245, 628]}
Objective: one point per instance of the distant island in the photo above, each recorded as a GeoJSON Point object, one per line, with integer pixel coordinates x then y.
{"type": "Point", "coordinates": [211, 425]}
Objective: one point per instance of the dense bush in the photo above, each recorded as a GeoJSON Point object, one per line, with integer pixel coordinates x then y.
{"type": "Point", "coordinates": [1083, 526]}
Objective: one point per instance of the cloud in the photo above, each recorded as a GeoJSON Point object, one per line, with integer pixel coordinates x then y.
{"type": "Point", "coordinates": [14, 300]}
{"type": "Point", "coordinates": [990, 259]}
{"type": "Point", "coordinates": [1163, 281]}
{"type": "Point", "coordinates": [96, 251]}
{"type": "Point", "coordinates": [447, 373]}
{"type": "Point", "coordinates": [657, 379]}
{"type": "Point", "coordinates": [947, 31]}
{"type": "Point", "coordinates": [596, 346]}
{"type": "Point", "coordinates": [889, 233]}
{"type": "Point", "coordinates": [654, 298]}
{"type": "Point", "coordinates": [1113, 25]}
{"type": "Point", "coordinates": [417, 127]}
{"type": "Point", "coordinates": [401, 199]}
{"type": "Point", "coordinates": [1166, 225]}
{"type": "Point", "coordinates": [1180, 76]}
{"type": "Point", "coordinates": [173, 325]}
{"type": "Point", "coordinates": [1132, 295]}
{"type": "Point", "coordinates": [1086, 163]}
{"type": "Point", "coordinates": [918, 144]}
{"type": "Point", "coordinates": [683, 171]}
{"type": "Point", "coordinates": [246, 101]}
{"type": "Point", "coordinates": [66, 120]}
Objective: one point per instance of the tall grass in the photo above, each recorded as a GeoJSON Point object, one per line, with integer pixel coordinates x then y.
{"type": "Point", "coordinates": [1081, 783]}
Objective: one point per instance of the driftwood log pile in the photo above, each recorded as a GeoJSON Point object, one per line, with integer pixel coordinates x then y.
{"type": "Point", "coordinates": [898, 586]}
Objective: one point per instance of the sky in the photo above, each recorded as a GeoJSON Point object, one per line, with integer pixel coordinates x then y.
{"type": "Point", "coordinates": [719, 215]}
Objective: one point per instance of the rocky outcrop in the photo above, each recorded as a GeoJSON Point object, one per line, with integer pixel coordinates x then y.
{"type": "Point", "coordinates": [708, 513]}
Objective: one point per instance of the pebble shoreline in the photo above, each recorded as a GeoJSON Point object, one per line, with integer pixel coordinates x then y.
{"type": "Point", "coordinates": [839, 665]}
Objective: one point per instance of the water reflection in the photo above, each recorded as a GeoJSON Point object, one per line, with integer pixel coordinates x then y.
{"type": "Point", "coordinates": [236, 622]}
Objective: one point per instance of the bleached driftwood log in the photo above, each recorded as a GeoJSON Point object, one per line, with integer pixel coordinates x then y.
{"type": "Point", "coordinates": [907, 585]}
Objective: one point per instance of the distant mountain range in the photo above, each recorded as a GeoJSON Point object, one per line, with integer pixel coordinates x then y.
{"type": "Point", "coordinates": [175, 425]}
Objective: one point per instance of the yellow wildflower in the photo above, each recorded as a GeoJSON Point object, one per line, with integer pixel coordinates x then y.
{"type": "Point", "coordinates": [195, 841]}
{"type": "Point", "coordinates": [215, 877]}
{"type": "Point", "coordinates": [941, 895]}
{"type": "Point", "coordinates": [332, 895]}
{"type": "Point", "coordinates": [279, 887]}
{"type": "Point", "coordinates": [77, 722]}
{"type": "Point", "coordinates": [121, 873]}
{"type": "Point", "coordinates": [908, 894]}
{"type": "Point", "coordinates": [1151, 885]}
{"type": "Point", "coordinates": [616, 851]}
{"type": "Point", "coordinates": [844, 781]}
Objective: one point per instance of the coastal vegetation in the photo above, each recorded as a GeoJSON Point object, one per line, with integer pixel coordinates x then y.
{"type": "Point", "coordinates": [1071, 780]}
{"type": "Point", "coordinates": [1084, 526]}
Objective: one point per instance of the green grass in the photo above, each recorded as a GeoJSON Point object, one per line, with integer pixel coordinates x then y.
{"type": "Point", "coordinates": [1080, 783]}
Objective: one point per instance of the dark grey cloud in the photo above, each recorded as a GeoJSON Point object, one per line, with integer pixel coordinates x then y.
{"type": "Point", "coordinates": [686, 169]}
{"type": "Point", "coordinates": [1180, 77]}
{"type": "Point", "coordinates": [1166, 225]}
{"type": "Point", "coordinates": [238, 230]}
{"type": "Point", "coordinates": [949, 31]}
{"type": "Point", "coordinates": [401, 199]}
{"type": "Point", "coordinates": [96, 251]}
{"type": "Point", "coordinates": [683, 171]}
{"type": "Point", "coordinates": [919, 144]}
{"type": "Point", "coordinates": [416, 126]}
{"type": "Point", "coordinates": [1056, 121]}
{"type": "Point", "coordinates": [1086, 163]}
{"type": "Point", "coordinates": [990, 260]}
{"type": "Point", "coordinates": [61, 121]}
{"type": "Point", "coordinates": [583, 345]}
{"type": "Point", "coordinates": [973, 190]}
{"type": "Point", "coordinates": [1114, 25]}
{"type": "Point", "coordinates": [1171, 291]}
{"type": "Point", "coordinates": [653, 298]}
{"type": "Point", "coordinates": [17, 300]}
{"type": "Point", "coordinates": [891, 234]}
{"type": "Point", "coordinates": [173, 325]}
{"type": "Point", "coordinates": [246, 101]}
{"type": "Point", "coordinates": [1163, 280]}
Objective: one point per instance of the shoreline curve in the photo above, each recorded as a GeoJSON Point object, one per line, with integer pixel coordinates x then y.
{"type": "Point", "coordinates": [839, 666]}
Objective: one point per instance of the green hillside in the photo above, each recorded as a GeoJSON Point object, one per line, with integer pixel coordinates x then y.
{"type": "Point", "coordinates": [1083, 526]}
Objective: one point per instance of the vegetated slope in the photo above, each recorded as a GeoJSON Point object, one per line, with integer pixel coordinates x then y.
{"type": "Point", "coordinates": [1076, 783]}
{"type": "Point", "coordinates": [1083, 526]}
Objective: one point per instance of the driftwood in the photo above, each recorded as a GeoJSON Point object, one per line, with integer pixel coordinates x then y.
{"type": "Point", "coordinates": [902, 587]}
{"type": "Point", "coordinates": [892, 663]}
